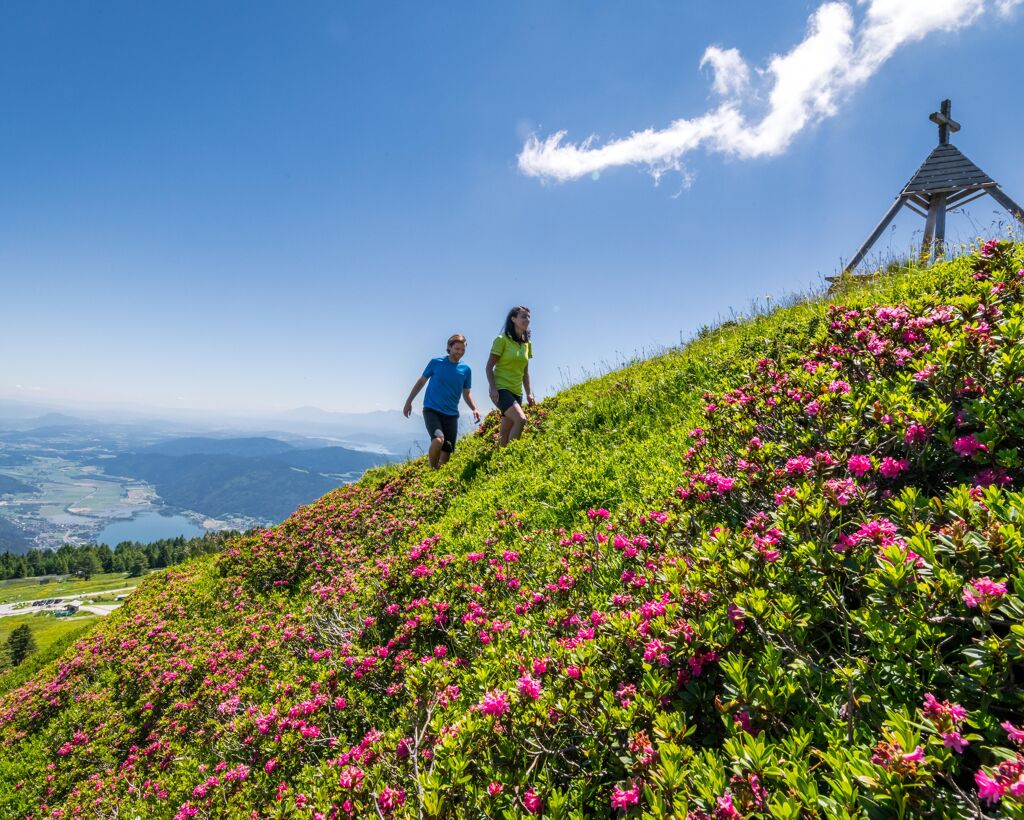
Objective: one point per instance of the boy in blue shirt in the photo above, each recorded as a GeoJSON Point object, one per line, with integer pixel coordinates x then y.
{"type": "Point", "coordinates": [446, 379]}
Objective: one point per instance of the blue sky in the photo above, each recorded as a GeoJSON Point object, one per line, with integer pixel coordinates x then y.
{"type": "Point", "coordinates": [245, 206]}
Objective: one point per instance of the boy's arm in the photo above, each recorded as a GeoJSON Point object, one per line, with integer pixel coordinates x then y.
{"type": "Point", "coordinates": [472, 404]}
{"type": "Point", "coordinates": [416, 388]}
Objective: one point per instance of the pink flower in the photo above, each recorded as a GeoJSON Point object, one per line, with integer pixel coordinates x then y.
{"type": "Point", "coordinates": [799, 465]}
{"type": "Point", "coordinates": [784, 495]}
{"type": "Point", "coordinates": [599, 513]}
{"type": "Point", "coordinates": [915, 756]}
{"type": "Point", "coordinates": [915, 434]}
{"type": "Point", "coordinates": [953, 740]}
{"type": "Point", "coordinates": [983, 592]}
{"type": "Point", "coordinates": [532, 801]}
{"type": "Point", "coordinates": [494, 703]}
{"type": "Point", "coordinates": [529, 687]}
{"type": "Point", "coordinates": [656, 652]}
{"type": "Point", "coordinates": [573, 672]}
{"type": "Point", "coordinates": [737, 616]}
{"type": "Point", "coordinates": [859, 465]}
{"type": "Point", "coordinates": [988, 789]}
{"type": "Point", "coordinates": [967, 446]}
{"type": "Point", "coordinates": [993, 475]}
{"type": "Point", "coordinates": [390, 798]}
{"type": "Point", "coordinates": [1016, 735]}
{"type": "Point", "coordinates": [812, 408]}
{"type": "Point", "coordinates": [623, 799]}
{"type": "Point", "coordinates": [725, 809]}
{"type": "Point", "coordinates": [495, 788]}
{"type": "Point", "coordinates": [891, 467]}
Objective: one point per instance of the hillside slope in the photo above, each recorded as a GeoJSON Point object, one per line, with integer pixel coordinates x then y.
{"type": "Point", "coordinates": [776, 573]}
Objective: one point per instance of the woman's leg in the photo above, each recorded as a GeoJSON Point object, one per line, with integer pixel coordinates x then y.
{"type": "Point", "coordinates": [512, 424]}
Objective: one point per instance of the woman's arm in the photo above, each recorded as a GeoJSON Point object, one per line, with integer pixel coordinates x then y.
{"type": "Point", "coordinates": [472, 404]}
{"type": "Point", "coordinates": [416, 388]}
{"type": "Point", "coordinates": [492, 387]}
{"type": "Point", "coordinates": [526, 385]}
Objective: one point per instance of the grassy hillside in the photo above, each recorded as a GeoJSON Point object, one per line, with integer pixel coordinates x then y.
{"type": "Point", "coordinates": [776, 573]}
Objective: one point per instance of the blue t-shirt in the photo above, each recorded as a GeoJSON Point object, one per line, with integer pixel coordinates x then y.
{"type": "Point", "coordinates": [447, 381]}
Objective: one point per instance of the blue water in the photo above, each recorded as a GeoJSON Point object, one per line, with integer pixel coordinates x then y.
{"type": "Point", "coordinates": [148, 527]}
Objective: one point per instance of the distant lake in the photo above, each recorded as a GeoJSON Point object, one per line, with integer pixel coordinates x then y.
{"type": "Point", "coordinates": [148, 527]}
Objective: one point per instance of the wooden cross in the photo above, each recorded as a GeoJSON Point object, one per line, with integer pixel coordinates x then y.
{"type": "Point", "coordinates": [945, 122]}
{"type": "Point", "coordinates": [946, 179]}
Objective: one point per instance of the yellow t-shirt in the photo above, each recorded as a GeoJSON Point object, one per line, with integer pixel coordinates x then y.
{"type": "Point", "coordinates": [513, 357]}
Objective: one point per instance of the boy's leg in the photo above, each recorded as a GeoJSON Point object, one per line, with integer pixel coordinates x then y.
{"type": "Point", "coordinates": [434, 453]}
{"type": "Point", "coordinates": [450, 431]}
{"type": "Point", "coordinates": [435, 430]}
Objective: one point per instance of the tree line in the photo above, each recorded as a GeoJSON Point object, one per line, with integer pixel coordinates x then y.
{"type": "Point", "coordinates": [86, 560]}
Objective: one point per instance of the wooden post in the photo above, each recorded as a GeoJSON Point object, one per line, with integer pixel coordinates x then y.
{"type": "Point", "coordinates": [929, 230]}
{"type": "Point", "coordinates": [1008, 204]}
{"type": "Point", "coordinates": [939, 201]}
{"type": "Point", "coordinates": [877, 232]}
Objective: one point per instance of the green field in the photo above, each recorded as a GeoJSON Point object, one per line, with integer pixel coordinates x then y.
{"type": "Point", "coordinates": [51, 645]}
{"type": "Point", "coordinates": [29, 589]}
{"type": "Point", "coordinates": [46, 628]}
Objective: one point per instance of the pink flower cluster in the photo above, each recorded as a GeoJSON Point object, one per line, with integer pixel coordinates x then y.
{"type": "Point", "coordinates": [983, 593]}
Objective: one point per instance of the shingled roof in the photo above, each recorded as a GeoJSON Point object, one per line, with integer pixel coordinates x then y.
{"type": "Point", "coordinates": [947, 169]}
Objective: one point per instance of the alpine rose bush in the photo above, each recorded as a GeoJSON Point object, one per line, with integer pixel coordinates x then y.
{"type": "Point", "coordinates": [775, 574]}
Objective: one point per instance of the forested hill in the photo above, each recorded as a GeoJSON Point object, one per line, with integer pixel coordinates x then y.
{"type": "Point", "coordinates": [775, 573]}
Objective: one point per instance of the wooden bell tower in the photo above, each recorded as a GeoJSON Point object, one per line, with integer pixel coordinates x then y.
{"type": "Point", "coordinates": [946, 179]}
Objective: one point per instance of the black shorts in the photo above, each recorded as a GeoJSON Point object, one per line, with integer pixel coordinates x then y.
{"type": "Point", "coordinates": [506, 398]}
{"type": "Point", "coordinates": [443, 426]}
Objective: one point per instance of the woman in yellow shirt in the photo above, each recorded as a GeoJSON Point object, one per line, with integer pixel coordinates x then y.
{"type": "Point", "coordinates": [508, 373]}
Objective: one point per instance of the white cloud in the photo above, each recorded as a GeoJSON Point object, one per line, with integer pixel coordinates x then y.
{"type": "Point", "coordinates": [802, 87]}
{"type": "Point", "coordinates": [1006, 7]}
{"type": "Point", "coordinates": [731, 72]}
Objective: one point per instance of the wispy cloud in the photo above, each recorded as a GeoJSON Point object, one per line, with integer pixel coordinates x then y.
{"type": "Point", "coordinates": [841, 50]}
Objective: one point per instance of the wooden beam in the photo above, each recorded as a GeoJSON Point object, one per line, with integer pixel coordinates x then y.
{"type": "Point", "coordinates": [1011, 207]}
{"type": "Point", "coordinates": [940, 224]}
{"type": "Point", "coordinates": [877, 232]}
{"type": "Point", "coordinates": [952, 199]}
{"type": "Point", "coordinates": [960, 203]}
{"type": "Point", "coordinates": [916, 210]}
{"type": "Point", "coordinates": [929, 231]}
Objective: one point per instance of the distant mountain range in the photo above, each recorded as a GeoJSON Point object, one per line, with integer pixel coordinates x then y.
{"type": "Point", "coordinates": [385, 431]}
{"type": "Point", "coordinates": [258, 477]}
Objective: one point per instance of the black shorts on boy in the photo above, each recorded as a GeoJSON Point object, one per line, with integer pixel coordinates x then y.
{"type": "Point", "coordinates": [440, 425]}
